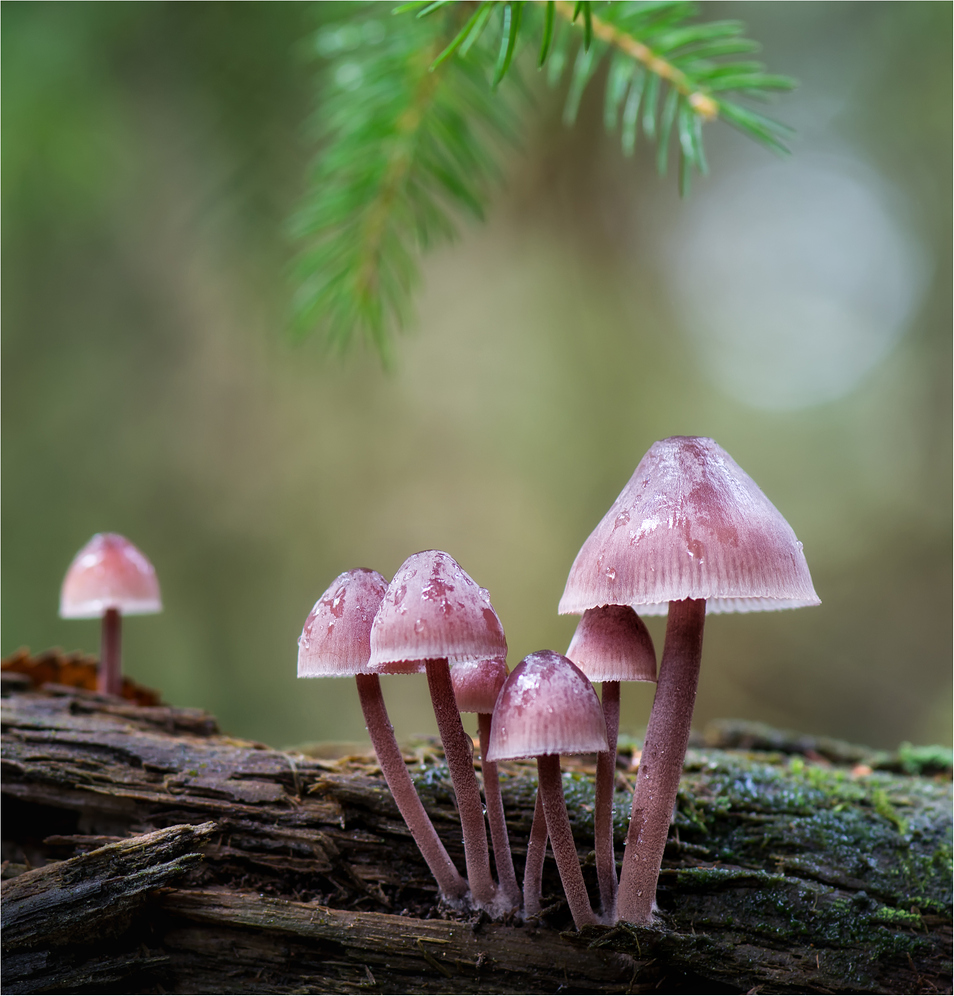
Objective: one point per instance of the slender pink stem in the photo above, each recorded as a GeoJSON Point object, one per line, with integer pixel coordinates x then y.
{"type": "Point", "coordinates": [536, 855]}
{"type": "Point", "coordinates": [110, 678]}
{"type": "Point", "coordinates": [660, 765]}
{"type": "Point", "coordinates": [503, 859]}
{"type": "Point", "coordinates": [452, 886]}
{"type": "Point", "coordinates": [459, 752]}
{"type": "Point", "coordinates": [603, 815]}
{"type": "Point", "coordinates": [561, 840]}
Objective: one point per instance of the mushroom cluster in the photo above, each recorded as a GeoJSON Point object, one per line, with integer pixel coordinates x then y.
{"type": "Point", "coordinates": [690, 534]}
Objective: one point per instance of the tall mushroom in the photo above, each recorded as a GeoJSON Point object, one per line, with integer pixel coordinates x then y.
{"type": "Point", "coordinates": [110, 578]}
{"type": "Point", "coordinates": [611, 644]}
{"type": "Point", "coordinates": [547, 708]}
{"type": "Point", "coordinates": [476, 687]}
{"type": "Point", "coordinates": [335, 642]}
{"type": "Point", "coordinates": [436, 614]}
{"type": "Point", "coordinates": [693, 533]}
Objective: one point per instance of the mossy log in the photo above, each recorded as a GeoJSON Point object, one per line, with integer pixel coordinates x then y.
{"type": "Point", "coordinates": [146, 852]}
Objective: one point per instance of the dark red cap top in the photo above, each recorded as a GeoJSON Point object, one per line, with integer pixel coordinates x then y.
{"type": "Point", "coordinates": [336, 640]}
{"type": "Point", "coordinates": [433, 609]}
{"type": "Point", "coordinates": [477, 684]}
{"type": "Point", "coordinates": [546, 706]}
{"type": "Point", "coordinates": [109, 573]}
{"type": "Point", "coordinates": [611, 643]}
{"type": "Point", "coordinates": [690, 524]}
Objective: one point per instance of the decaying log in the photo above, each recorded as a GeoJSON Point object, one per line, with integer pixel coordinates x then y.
{"type": "Point", "coordinates": [146, 852]}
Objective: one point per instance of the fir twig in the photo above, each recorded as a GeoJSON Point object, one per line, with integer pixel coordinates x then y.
{"type": "Point", "coordinates": [405, 147]}
{"type": "Point", "coordinates": [406, 121]}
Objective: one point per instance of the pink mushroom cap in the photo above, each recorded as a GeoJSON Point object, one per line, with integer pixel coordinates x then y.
{"type": "Point", "coordinates": [109, 573]}
{"type": "Point", "coordinates": [434, 609]}
{"type": "Point", "coordinates": [611, 643]}
{"type": "Point", "coordinates": [477, 684]}
{"type": "Point", "coordinates": [336, 638]}
{"type": "Point", "coordinates": [546, 706]}
{"type": "Point", "coordinates": [690, 524]}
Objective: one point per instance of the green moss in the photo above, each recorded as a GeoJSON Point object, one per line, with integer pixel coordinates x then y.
{"type": "Point", "coordinates": [580, 794]}
{"type": "Point", "coordinates": [433, 784]}
{"type": "Point", "coordinates": [892, 915]}
{"type": "Point", "coordinates": [822, 824]}
{"type": "Point", "coordinates": [715, 876]}
{"type": "Point", "coordinates": [923, 760]}
{"type": "Point", "coordinates": [883, 807]}
{"type": "Point", "coordinates": [822, 862]}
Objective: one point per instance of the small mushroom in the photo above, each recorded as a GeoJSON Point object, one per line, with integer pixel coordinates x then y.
{"type": "Point", "coordinates": [546, 708]}
{"type": "Point", "coordinates": [436, 614]}
{"type": "Point", "coordinates": [476, 687]}
{"type": "Point", "coordinates": [611, 644]}
{"type": "Point", "coordinates": [690, 533]}
{"type": "Point", "coordinates": [110, 578]}
{"type": "Point", "coordinates": [335, 642]}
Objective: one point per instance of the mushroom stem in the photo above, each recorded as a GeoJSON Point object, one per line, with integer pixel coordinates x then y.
{"type": "Point", "coordinates": [452, 886]}
{"type": "Point", "coordinates": [110, 678]}
{"type": "Point", "coordinates": [603, 810]}
{"type": "Point", "coordinates": [503, 859]}
{"type": "Point", "coordinates": [536, 855]}
{"type": "Point", "coordinates": [660, 765]}
{"type": "Point", "coordinates": [459, 753]}
{"type": "Point", "coordinates": [561, 840]}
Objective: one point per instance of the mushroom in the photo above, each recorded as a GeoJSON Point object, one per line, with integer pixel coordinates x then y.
{"type": "Point", "coordinates": [611, 644]}
{"type": "Point", "coordinates": [536, 858]}
{"type": "Point", "coordinates": [546, 708]}
{"type": "Point", "coordinates": [476, 686]}
{"type": "Point", "coordinates": [434, 613]}
{"type": "Point", "coordinates": [109, 577]}
{"type": "Point", "coordinates": [690, 532]}
{"type": "Point", "coordinates": [335, 642]}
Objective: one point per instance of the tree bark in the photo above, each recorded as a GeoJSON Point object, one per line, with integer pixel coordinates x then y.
{"type": "Point", "coordinates": [145, 852]}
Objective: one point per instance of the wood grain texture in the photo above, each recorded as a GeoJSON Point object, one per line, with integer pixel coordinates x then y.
{"type": "Point", "coordinates": [146, 852]}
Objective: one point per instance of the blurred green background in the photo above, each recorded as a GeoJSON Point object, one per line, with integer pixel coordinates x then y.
{"type": "Point", "coordinates": [798, 312]}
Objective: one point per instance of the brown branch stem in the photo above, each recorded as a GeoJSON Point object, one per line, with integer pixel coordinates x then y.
{"type": "Point", "coordinates": [459, 753]}
{"type": "Point", "coordinates": [700, 101]}
{"type": "Point", "coordinates": [660, 764]}
{"type": "Point", "coordinates": [110, 678]}
{"type": "Point", "coordinates": [603, 809]}
{"type": "Point", "coordinates": [452, 885]}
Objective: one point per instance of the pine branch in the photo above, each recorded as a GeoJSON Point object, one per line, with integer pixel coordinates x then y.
{"type": "Point", "coordinates": [658, 55]}
{"type": "Point", "coordinates": [405, 141]}
{"type": "Point", "coordinates": [699, 100]}
{"type": "Point", "coordinates": [410, 110]}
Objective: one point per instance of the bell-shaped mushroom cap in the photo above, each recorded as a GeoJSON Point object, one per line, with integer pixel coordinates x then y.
{"type": "Point", "coordinates": [109, 573]}
{"type": "Point", "coordinates": [336, 639]}
{"type": "Point", "coordinates": [546, 706]}
{"type": "Point", "coordinates": [477, 684]}
{"type": "Point", "coordinates": [611, 643]}
{"type": "Point", "coordinates": [690, 524]}
{"type": "Point", "coordinates": [433, 609]}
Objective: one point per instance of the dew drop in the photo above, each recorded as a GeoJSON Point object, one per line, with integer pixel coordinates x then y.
{"type": "Point", "coordinates": [420, 626]}
{"type": "Point", "coordinates": [621, 519]}
{"type": "Point", "coordinates": [610, 573]}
